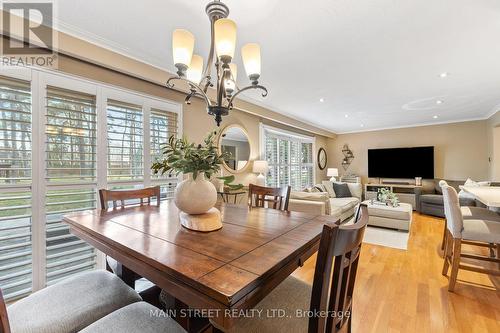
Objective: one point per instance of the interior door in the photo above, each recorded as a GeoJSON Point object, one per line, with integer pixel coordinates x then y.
{"type": "Point", "coordinates": [495, 162]}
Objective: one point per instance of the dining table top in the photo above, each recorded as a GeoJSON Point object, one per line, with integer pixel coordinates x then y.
{"type": "Point", "coordinates": [224, 265]}
{"type": "Point", "coordinates": [488, 195]}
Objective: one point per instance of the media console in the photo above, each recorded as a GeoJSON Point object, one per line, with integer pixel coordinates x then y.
{"type": "Point", "coordinates": [405, 192]}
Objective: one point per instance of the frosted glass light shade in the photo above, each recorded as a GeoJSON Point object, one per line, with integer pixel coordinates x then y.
{"type": "Point", "coordinates": [195, 69]}
{"type": "Point", "coordinates": [260, 166]}
{"type": "Point", "coordinates": [234, 70]}
{"type": "Point", "coordinates": [251, 59]}
{"type": "Point", "coordinates": [182, 46]}
{"type": "Point", "coordinates": [225, 39]}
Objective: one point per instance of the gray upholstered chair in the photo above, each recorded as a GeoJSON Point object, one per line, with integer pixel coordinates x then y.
{"type": "Point", "coordinates": [137, 317]}
{"type": "Point", "coordinates": [471, 213]}
{"type": "Point", "coordinates": [467, 231]}
{"type": "Point", "coordinates": [68, 306]}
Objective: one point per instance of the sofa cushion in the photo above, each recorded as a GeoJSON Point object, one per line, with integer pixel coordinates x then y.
{"type": "Point", "coordinates": [434, 199]}
{"type": "Point", "coordinates": [341, 190]}
{"type": "Point", "coordinates": [329, 188]}
{"type": "Point", "coordinates": [310, 196]}
{"type": "Point", "coordinates": [344, 204]}
{"type": "Point", "coordinates": [356, 189]}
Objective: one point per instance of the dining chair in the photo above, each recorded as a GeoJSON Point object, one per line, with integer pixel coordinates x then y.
{"type": "Point", "coordinates": [122, 199]}
{"type": "Point", "coordinates": [67, 306]}
{"type": "Point", "coordinates": [276, 198]}
{"type": "Point", "coordinates": [122, 196]}
{"type": "Point", "coordinates": [331, 292]}
{"type": "Point", "coordinates": [463, 231]}
{"type": "Point", "coordinates": [472, 213]}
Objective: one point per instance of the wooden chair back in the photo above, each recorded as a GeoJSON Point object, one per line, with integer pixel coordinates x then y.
{"type": "Point", "coordinates": [121, 196]}
{"type": "Point", "coordinates": [4, 319]}
{"type": "Point", "coordinates": [276, 198]}
{"type": "Point", "coordinates": [339, 250]}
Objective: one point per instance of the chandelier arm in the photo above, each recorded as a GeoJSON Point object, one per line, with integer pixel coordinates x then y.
{"type": "Point", "coordinates": [253, 86]}
{"type": "Point", "coordinates": [192, 86]}
{"type": "Point", "coordinates": [208, 68]}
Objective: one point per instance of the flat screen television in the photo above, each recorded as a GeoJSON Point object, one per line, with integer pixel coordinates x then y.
{"type": "Point", "coordinates": [401, 162]}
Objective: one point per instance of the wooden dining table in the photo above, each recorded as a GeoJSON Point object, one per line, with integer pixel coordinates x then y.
{"type": "Point", "coordinates": [220, 273]}
{"type": "Point", "coordinates": [488, 195]}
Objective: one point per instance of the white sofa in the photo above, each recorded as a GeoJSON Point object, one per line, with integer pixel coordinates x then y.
{"type": "Point", "coordinates": [327, 203]}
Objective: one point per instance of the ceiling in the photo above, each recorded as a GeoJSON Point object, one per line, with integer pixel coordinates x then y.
{"type": "Point", "coordinates": [373, 63]}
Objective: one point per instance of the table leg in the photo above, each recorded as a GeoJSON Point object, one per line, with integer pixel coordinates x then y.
{"type": "Point", "coordinates": [126, 275]}
{"type": "Point", "coordinates": [235, 196]}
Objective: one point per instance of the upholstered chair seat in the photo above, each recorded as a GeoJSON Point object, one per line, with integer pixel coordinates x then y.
{"type": "Point", "coordinates": [479, 213]}
{"type": "Point", "coordinates": [482, 231]}
{"type": "Point", "coordinates": [70, 305]}
{"type": "Point", "coordinates": [292, 295]}
{"type": "Point", "coordinates": [137, 317]}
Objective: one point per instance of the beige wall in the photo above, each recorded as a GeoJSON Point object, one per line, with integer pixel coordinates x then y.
{"type": "Point", "coordinates": [196, 122]}
{"type": "Point", "coordinates": [461, 149]}
{"type": "Point", "coordinates": [493, 125]}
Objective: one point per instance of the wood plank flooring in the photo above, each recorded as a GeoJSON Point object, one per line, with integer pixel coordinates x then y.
{"type": "Point", "coordinates": [404, 291]}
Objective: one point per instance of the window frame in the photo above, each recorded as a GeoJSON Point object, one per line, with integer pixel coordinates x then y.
{"type": "Point", "coordinates": [39, 79]}
{"type": "Point", "coordinates": [291, 136]}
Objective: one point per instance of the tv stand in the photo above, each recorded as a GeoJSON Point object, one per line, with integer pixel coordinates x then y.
{"type": "Point", "coordinates": [405, 192]}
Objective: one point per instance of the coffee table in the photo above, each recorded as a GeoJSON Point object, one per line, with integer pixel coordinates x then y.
{"type": "Point", "coordinates": [390, 217]}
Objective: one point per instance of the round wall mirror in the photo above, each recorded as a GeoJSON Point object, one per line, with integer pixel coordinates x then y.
{"type": "Point", "coordinates": [234, 140]}
{"type": "Point", "coordinates": [322, 159]}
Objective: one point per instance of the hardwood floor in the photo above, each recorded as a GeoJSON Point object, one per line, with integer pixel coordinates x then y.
{"type": "Point", "coordinates": [404, 291]}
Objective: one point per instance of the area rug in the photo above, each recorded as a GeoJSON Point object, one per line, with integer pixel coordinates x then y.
{"type": "Point", "coordinates": [386, 237]}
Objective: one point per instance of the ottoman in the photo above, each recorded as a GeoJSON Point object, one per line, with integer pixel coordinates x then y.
{"type": "Point", "coordinates": [390, 217]}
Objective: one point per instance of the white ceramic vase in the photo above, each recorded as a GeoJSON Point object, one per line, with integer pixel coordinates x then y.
{"type": "Point", "coordinates": [195, 196]}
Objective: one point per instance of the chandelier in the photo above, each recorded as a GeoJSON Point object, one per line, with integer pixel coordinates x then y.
{"type": "Point", "coordinates": [222, 46]}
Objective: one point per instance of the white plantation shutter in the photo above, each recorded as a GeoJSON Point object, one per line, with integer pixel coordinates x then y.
{"type": "Point", "coordinates": [163, 125]}
{"type": "Point", "coordinates": [125, 142]}
{"type": "Point", "coordinates": [71, 174]}
{"type": "Point", "coordinates": [57, 147]}
{"type": "Point", "coordinates": [15, 188]}
{"type": "Point", "coordinates": [290, 159]}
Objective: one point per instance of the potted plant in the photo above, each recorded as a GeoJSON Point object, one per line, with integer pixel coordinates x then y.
{"type": "Point", "coordinates": [195, 195]}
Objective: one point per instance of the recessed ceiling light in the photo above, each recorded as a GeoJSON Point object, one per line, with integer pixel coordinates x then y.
{"type": "Point", "coordinates": [439, 101]}
{"type": "Point", "coordinates": [321, 100]}
{"type": "Point", "coordinates": [435, 117]}
{"type": "Point", "coordinates": [444, 74]}
{"type": "Point", "coordinates": [347, 116]}
{"type": "Point", "coordinates": [362, 125]}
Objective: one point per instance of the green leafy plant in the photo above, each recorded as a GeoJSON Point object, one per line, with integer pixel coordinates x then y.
{"type": "Point", "coordinates": [387, 196]}
{"type": "Point", "coordinates": [227, 183]}
{"type": "Point", "coordinates": [185, 157]}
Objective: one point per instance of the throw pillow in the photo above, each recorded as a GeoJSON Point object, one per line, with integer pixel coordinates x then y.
{"type": "Point", "coordinates": [341, 190]}
{"type": "Point", "coordinates": [471, 183]}
{"type": "Point", "coordinates": [328, 185]}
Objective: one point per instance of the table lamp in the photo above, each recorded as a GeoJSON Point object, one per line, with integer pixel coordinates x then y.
{"type": "Point", "coordinates": [332, 172]}
{"type": "Point", "coordinates": [261, 168]}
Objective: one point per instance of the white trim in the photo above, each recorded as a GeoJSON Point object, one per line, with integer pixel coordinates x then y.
{"type": "Point", "coordinates": [417, 125]}
{"type": "Point", "coordinates": [279, 131]}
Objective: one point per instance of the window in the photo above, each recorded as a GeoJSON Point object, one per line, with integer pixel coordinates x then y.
{"type": "Point", "coordinates": [15, 196]}
{"type": "Point", "coordinates": [71, 175]}
{"type": "Point", "coordinates": [56, 150]}
{"type": "Point", "coordinates": [163, 125]}
{"type": "Point", "coordinates": [125, 142]}
{"type": "Point", "coordinates": [289, 156]}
